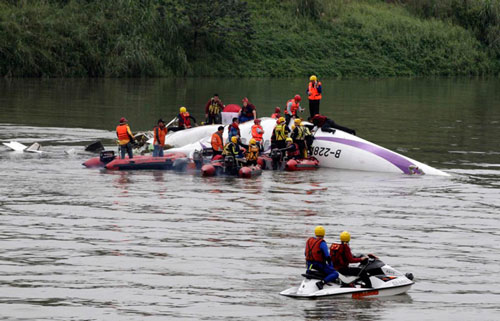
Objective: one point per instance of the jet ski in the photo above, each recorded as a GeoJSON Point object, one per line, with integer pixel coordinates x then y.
{"type": "Point", "coordinates": [386, 281]}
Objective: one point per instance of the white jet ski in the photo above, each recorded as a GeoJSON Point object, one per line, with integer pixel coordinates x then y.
{"type": "Point", "coordinates": [385, 280]}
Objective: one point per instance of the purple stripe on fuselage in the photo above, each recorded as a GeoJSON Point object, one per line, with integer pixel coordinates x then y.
{"type": "Point", "coordinates": [395, 159]}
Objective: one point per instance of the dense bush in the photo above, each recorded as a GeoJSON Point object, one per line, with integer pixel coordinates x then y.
{"type": "Point", "coordinates": [125, 38]}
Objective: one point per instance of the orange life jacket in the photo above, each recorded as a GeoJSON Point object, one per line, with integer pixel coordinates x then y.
{"type": "Point", "coordinates": [294, 108]}
{"type": "Point", "coordinates": [255, 133]}
{"type": "Point", "coordinates": [313, 250]}
{"type": "Point", "coordinates": [216, 141]}
{"type": "Point", "coordinates": [276, 115]}
{"type": "Point", "coordinates": [159, 135]}
{"type": "Point", "coordinates": [123, 134]}
{"type": "Point", "coordinates": [186, 120]}
{"type": "Point", "coordinates": [313, 91]}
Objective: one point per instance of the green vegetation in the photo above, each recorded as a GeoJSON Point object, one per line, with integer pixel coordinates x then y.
{"type": "Point", "coordinates": [289, 38]}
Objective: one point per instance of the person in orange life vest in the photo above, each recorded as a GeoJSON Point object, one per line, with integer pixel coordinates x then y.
{"type": "Point", "coordinates": [292, 107]}
{"type": "Point", "coordinates": [217, 141]}
{"type": "Point", "coordinates": [159, 133]}
{"type": "Point", "coordinates": [247, 112]}
{"type": "Point", "coordinates": [233, 129]}
{"type": "Point", "coordinates": [318, 258]}
{"type": "Point", "coordinates": [213, 110]}
{"type": "Point", "coordinates": [292, 149]}
{"type": "Point", "coordinates": [257, 133]}
{"type": "Point", "coordinates": [314, 94]}
{"type": "Point", "coordinates": [341, 256]}
{"type": "Point", "coordinates": [326, 124]}
{"type": "Point", "coordinates": [185, 119]}
{"type": "Point", "coordinates": [277, 113]}
{"type": "Point", "coordinates": [124, 138]}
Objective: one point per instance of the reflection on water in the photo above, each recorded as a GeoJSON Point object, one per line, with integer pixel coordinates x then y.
{"type": "Point", "coordinates": [80, 244]}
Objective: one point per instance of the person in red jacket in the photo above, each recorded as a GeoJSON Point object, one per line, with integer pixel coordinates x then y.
{"type": "Point", "coordinates": [341, 256]}
{"type": "Point", "coordinates": [277, 113]}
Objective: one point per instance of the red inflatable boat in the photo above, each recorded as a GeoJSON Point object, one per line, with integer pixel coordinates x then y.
{"type": "Point", "coordinates": [305, 164]}
{"type": "Point", "coordinates": [250, 171]}
{"type": "Point", "coordinates": [144, 162]}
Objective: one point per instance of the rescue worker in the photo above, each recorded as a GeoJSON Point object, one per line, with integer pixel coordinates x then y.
{"type": "Point", "coordinates": [213, 110]}
{"type": "Point", "coordinates": [292, 149]}
{"type": "Point", "coordinates": [292, 107]}
{"type": "Point", "coordinates": [217, 141]}
{"type": "Point", "coordinates": [124, 138]}
{"type": "Point", "coordinates": [257, 133]}
{"type": "Point", "coordinates": [280, 134]}
{"type": "Point", "coordinates": [299, 136]}
{"type": "Point", "coordinates": [159, 133]}
{"type": "Point", "coordinates": [309, 140]}
{"type": "Point", "coordinates": [233, 129]}
{"type": "Point", "coordinates": [277, 113]}
{"type": "Point", "coordinates": [318, 258]}
{"type": "Point", "coordinates": [253, 152]}
{"type": "Point", "coordinates": [185, 119]}
{"type": "Point", "coordinates": [341, 256]}
{"type": "Point", "coordinates": [232, 148]}
{"type": "Point", "coordinates": [326, 124]}
{"type": "Point", "coordinates": [247, 112]}
{"type": "Point", "coordinates": [314, 94]}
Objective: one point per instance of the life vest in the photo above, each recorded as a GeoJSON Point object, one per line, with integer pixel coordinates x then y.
{"type": "Point", "coordinates": [313, 250]}
{"type": "Point", "coordinates": [319, 120]}
{"type": "Point", "coordinates": [216, 141]}
{"type": "Point", "coordinates": [276, 115]}
{"type": "Point", "coordinates": [295, 106]}
{"type": "Point", "coordinates": [255, 132]}
{"type": "Point", "coordinates": [280, 131]}
{"type": "Point", "coordinates": [185, 119]}
{"type": "Point", "coordinates": [313, 91]}
{"type": "Point", "coordinates": [159, 135]}
{"type": "Point", "coordinates": [230, 149]}
{"type": "Point", "coordinates": [123, 134]}
{"type": "Point", "coordinates": [301, 133]}
{"type": "Point", "coordinates": [214, 108]}
{"type": "Point", "coordinates": [336, 254]}
{"type": "Point", "coordinates": [295, 152]}
{"type": "Point", "coordinates": [253, 152]}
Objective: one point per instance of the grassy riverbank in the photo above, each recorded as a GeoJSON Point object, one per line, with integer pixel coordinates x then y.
{"type": "Point", "coordinates": [340, 38]}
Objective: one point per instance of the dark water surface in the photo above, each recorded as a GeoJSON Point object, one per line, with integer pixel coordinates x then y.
{"type": "Point", "coordinates": [82, 244]}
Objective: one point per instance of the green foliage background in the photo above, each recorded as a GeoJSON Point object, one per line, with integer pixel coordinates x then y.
{"type": "Point", "coordinates": [256, 38]}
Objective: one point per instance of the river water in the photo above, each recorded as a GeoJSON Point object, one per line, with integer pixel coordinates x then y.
{"type": "Point", "coordinates": [86, 244]}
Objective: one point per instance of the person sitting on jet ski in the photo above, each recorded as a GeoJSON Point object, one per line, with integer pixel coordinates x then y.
{"type": "Point", "coordinates": [326, 124]}
{"type": "Point", "coordinates": [341, 256]}
{"type": "Point", "coordinates": [318, 258]}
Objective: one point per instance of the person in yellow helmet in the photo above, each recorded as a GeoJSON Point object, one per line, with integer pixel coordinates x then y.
{"type": "Point", "coordinates": [299, 134]}
{"type": "Point", "coordinates": [318, 258]}
{"type": "Point", "coordinates": [185, 118]}
{"type": "Point", "coordinates": [253, 152]}
{"type": "Point", "coordinates": [232, 148]}
{"type": "Point", "coordinates": [313, 91]}
{"type": "Point", "coordinates": [341, 256]}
